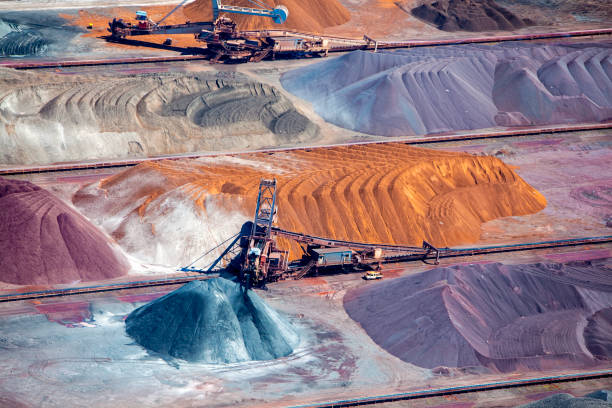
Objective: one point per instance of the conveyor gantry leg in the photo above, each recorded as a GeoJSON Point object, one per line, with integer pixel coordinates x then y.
{"type": "Point", "coordinates": [429, 249]}
{"type": "Point", "coordinates": [370, 40]}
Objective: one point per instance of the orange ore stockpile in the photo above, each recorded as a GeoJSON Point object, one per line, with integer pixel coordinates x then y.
{"type": "Point", "coordinates": [389, 193]}
{"type": "Point", "coordinates": [307, 15]}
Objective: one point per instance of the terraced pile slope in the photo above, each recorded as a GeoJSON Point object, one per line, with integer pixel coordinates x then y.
{"type": "Point", "coordinates": [468, 15]}
{"type": "Point", "coordinates": [573, 87]}
{"type": "Point", "coordinates": [598, 333]}
{"type": "Point", "coordinates": [47, 118]}
{"type": "Point", "coordinates": [212, 321]}
{"type": "Point", "coordinates": [306, 15]}
{"type": "Point", "coordinates": [171, 211]}
{"type": "Point", "coordinates": [503, 317]}
{"type": "Point", "coordinates": [44, 241]}
{"type": "Point", "coordinates": [34, 34]}
{"type": "Point", "coordinates": [440, 89]}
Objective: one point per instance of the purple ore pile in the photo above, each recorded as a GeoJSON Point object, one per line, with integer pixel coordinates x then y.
{"type": "Point", "coordinates": [44, 241]}
{"type": "Point", "coordinates": [212, 321]}
{"type": "Point", "coordinates": [440, 89]}
{"type": "Point", "coordinates": [503, 317]}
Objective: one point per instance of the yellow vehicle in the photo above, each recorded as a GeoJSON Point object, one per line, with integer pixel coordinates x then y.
{"type": "Point", "coordinates": [372, 275]}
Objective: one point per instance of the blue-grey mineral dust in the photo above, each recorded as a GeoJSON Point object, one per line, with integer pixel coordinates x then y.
{"type": "Point", "coordinates": [212, 321]}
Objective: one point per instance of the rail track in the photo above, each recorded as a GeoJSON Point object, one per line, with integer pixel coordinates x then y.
{"type": "Point", "coordinates": [435, 138]}
{"type": "Point", "coordinates": [440, 392]}
{"type": "Point", "coordinates": [337, 44]}
{"type": "Point", "coordinates": [444, 253]}
{"type": "Point", "coordinates": [100, 288]}
{"type": "Point", "coordinates": [94, 62]}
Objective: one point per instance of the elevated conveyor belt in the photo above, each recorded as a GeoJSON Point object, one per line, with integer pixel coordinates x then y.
{"type": "Point", "coordinates": [334, 43]}
{"type": "Point", "coordinates": [403, 252]}
{"type": "Point", "coordinates": [359, 246]}
{"type": "Point", "coordinates": [395, 400]}
{"type": "Point", "coordinates": [342, 44]}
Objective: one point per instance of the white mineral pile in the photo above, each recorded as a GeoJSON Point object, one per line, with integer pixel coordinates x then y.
{"type": "Point", "coordinates": [162, 227]}
{"type": "Point", "coordinates": [46, 118]}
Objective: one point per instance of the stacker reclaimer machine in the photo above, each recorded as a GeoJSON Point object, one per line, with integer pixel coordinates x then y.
{"type": "Point", "coordinates": [254, 254]}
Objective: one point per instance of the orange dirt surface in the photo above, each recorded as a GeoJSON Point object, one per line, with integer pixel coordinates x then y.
{"type": "Point", "coordinates": [389, 193]}
{"type": "Point", "coordinates": [305, 15]}
{"type": "Point", "coordinates": [384, 19]}
{"type": "Point", "coordinates": [101, 17]}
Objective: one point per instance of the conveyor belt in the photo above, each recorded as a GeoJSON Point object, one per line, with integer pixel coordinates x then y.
{"type": "Point", "coordinates": [411, 251]}
{"type": "Point", "coordinates": [336, 44]}
{"type": "Point", "coordinates": [311, 239]}
{"type": "Point", "coordinates": [518, 132]}
{"type": "Point", "coordinates": [463, 389]}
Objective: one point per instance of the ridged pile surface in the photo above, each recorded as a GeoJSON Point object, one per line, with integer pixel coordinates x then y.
{"type": "Point", "coordinates": [598, 332]}
{"type": "Point", "coordinates": [307, 15]}
{"type": "Point", "coordinates": [439, 89]}
{"type": "Point", "coordinates": [46, 118]}
{"type": "Point", "coordinates": [468, 15]}
{"type": "Point", "coordinates": [504, 317]}
{"type": "Point", "coordinates": [20, 43]}
{"type": "Point", "coordinates": [44, 241]}
{"type": "Point", "coordinates": [212, 321]}
{"type": "Point", "coordinates": [33, 33]}
{"type": "Point", "coordinates": [388, 193]}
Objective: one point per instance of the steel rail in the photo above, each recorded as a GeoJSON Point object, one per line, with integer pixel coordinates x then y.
{"type": "Point", "coordinates": [454, 252]}
{"type": "Point", "coordinates": [463, 389]}
{"type": "Point", "coordinates": [351, 45]}
{"type": "Point", "coordinates": [501, 38]}
{"type": "Point", "coordinates": [434, 138]}
{"type": "Point", "coordinates": [11, 297]}
{"type": "Point", "coordinates": [94, 62]}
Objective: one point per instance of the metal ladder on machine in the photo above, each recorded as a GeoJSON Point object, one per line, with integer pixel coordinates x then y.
{"type": "Point", "coordinates": [305, 270]}
{"type": "Point", "coordinates": [259, 242]}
